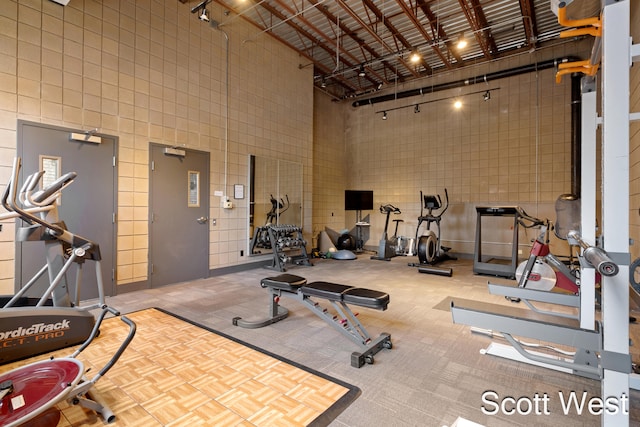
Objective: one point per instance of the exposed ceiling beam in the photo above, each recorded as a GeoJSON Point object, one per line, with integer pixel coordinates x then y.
{"type": "Point", "coordinates": [529, 21]}
{"type": "Point", "coordinates": [478, 22]}
{"type": "Point", "coordinates": [438, 33]}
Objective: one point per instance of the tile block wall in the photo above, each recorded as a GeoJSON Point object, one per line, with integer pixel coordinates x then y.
{"type": "Point", "coordinates": [513, 149]}
{"type": "Point", "coordinates": [330, 167]}
{"type": "Point", "coordinates": [150, 71]}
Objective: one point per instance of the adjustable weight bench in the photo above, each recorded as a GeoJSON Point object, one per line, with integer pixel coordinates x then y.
{"type": "Point", "coordinates": [341, 318]}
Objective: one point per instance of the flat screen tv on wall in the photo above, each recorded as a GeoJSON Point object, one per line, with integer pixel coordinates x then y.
{"type": "Point", "coordinates": [358, 200]}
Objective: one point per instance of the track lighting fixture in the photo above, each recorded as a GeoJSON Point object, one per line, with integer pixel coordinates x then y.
{"type": "Point", "coordinates": [361, 72]}
{"type": "Point", "coordinates": [201, 7]}
{"type": "Point", "coordinates": [456, 100]}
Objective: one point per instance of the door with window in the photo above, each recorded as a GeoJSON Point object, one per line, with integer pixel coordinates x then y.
{"type": "Point", "coordinates": [179, 215]}
{"type": "Point", "coordinates": [87, 206]}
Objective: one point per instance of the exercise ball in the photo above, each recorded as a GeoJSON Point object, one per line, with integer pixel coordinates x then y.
{"type": "Point", "coordinates": [346, 241]}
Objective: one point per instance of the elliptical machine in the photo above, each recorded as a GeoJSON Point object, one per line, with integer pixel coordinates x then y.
{"type": "Point", "coordinates": [387, 247]}
{"type": "Point", "coordinates": [430, 249]}
{"type": "Point", "coordinates": [54, 320]}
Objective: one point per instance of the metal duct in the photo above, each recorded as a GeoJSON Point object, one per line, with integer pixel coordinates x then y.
{"type": "Point", "coordinates": [484, 78]}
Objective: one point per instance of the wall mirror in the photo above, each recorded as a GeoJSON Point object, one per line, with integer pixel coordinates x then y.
{"type": "Point", "coordinates": [275, 198]}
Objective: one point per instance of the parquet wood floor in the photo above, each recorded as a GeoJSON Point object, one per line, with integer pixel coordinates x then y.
{"type": "Point", "coordinates": [175, 373]}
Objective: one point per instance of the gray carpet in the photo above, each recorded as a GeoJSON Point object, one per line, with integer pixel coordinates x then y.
{"type": "Point", "coordinates": [434, 373]}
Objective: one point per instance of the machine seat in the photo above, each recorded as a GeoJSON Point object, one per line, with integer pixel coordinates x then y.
{"type": "Point", "coordinates": [284, 282]}
{"type": "Point", "coordinates": [326, 290]}
{"type": "Point", "coordinates": [366, 298]}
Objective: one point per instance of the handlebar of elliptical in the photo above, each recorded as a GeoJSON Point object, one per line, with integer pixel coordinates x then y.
{"type": "Point", "coordinates": [446, 201]}
{"type": "Point", "coordinates": [446, 204]}
{"type": "Point", "coordinates": [595, 256]}
{"type": "Point", "coordinates": [389, 208]}
{"type": "Point", "coordinates": [50, 193]}
{"type": "Point", "coordinates": [24, 213]}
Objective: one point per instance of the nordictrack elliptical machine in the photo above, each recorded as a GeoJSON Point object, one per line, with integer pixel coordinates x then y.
{"type": "Point", "coordinates": [387, 247]}
{"type": "Point", "coordinates": [430, 249]}
{"type": "Point", "coordinates": [55, 320]}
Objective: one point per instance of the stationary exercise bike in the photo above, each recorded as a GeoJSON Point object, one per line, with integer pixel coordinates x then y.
{"type": "Point", "coordinates": [544, 271]}
{"type": "Point", "coordinates": [387, 247]}
{"type": "Point", "coordinates": [430, 249]}
{"type": "Point", "coordinates": [32, 326]}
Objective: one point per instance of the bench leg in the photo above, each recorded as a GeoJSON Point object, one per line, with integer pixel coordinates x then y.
{"type": "Point", "coordinates": [359, 359]}
{"type": "Point", "coordinates": [276, 314]}
{"type": "Point", "coordinates": [346, 323]}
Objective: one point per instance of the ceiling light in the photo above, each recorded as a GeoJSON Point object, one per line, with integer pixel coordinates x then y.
{"type": "Point", "coordinates": [384, 115]}
{"type": "Point", "coordinates": [486, 96]}
{"type": "Point", "coordinates": [462, 42]}
{"type": "Point", "coordinates": [203, 16]}
{"type": "Point", "coordinates": [416, 109]}
{"type": "Point", "coordinates": [415, 56]}
{"type": "Point", "coordinates": [457, 104]}
{"type": "Point", "coordinates": [361, 72]}
{"type": "Point", "coordinates": [323, 83]}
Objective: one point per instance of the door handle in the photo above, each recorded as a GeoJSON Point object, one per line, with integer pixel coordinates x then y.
{"type": "Point", "coordinates": [202, 220]}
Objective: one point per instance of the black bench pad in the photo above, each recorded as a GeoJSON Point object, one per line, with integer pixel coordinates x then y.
{"type": "Point", "coordinates": [285, 282]}
{"type": "Point", "coordinates": [326, 290]}
{"type": "Point", "coordinates": [366, 298]}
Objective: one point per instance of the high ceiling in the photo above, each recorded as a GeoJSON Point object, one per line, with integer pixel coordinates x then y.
{"type": "Point", "coordinates": [358, 46]}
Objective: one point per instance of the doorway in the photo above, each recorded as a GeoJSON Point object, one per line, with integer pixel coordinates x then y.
{"type": "Point", "coordinates": [87, 207]}
{"type": "Point", "coordinates": [178, 215]}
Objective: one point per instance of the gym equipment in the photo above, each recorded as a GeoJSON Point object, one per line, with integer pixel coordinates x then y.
{"type": "Point", "coordinates": [30, 392]}
{"type": "Point", "coordinates": [614, 366]}
{"type": "Point", "coordinates": [430, 250]}
{"type": "Point", "coordinates": [261, 238]}
{"type": "Point", "coordinates": [346, 241]}
{"type": "Point", "coordinates": [404, 245]}
{"type": "Point", "coordinates": [283, 240]}
{"type": "Point", "coordinates": [554, 327]}
{"type": "Point", "coordinates": [490, 266]}
{"type": "Point", "coordinates": [341, 319]}
{"type": "Point", "coordinates": [387, 247]}
{"type": "Point", "coordinates": [342, 255]}
{"type": "Point", "coordinates": [33, 329]}
{"type": "Point", "coordinates": [543, 270]}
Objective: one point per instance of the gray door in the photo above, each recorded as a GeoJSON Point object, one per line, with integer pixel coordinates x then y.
{"type": "Point", "coordinates": [179, 209]}
{"type": "Point", "coordinates": [87, 206]}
